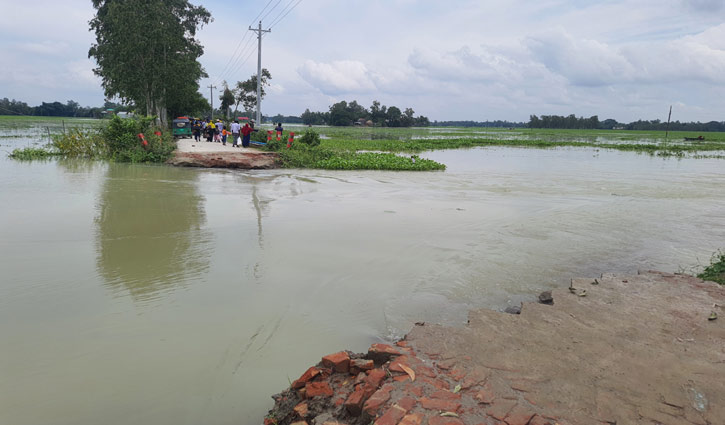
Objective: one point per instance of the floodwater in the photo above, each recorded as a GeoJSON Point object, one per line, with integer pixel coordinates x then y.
{"type": "Point", "coordinates": [159, 295]}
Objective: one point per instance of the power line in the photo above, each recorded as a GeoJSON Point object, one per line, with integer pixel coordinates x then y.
{"type": "Point", "coordinates": [278, 19]}
{"type": "Point", "coordinates": [241, 41]}
{"type": "Point", "coordinates": [270, 10]}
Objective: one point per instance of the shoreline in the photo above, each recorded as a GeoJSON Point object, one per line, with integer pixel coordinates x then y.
{"type": "Point", "coordinates": [205, 154]}
{"type": "Point", "coordinates": [615, 349]}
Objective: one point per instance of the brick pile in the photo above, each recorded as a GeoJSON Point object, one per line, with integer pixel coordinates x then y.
{"type": "Point", "coordinates": [395, 385]}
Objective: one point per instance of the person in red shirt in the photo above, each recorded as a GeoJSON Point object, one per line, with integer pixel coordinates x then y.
{"type": "Point", "coordinates": [246, 131]}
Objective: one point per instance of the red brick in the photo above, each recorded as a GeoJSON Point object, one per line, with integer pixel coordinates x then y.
{"type": "Point", "coordinates": [360, 378]}
{"type": "Point", "coordinates": [339, 401]}
{"type": "Point", "coordinates": [379, 398]}
{"type": "Point", "coordinates": [425, 370]}
{"type": "Point", "coordinates": [438, 383]}
{"type": "Point", "coordinates": [437, 404]}
{"type": "Point", "coordinates": [407, 403]}
{"type": "Point", "coordinates": [338, 361]}
{"type": "Point", "coordinates": [382, 352]}
{"type": "Point", "coordinates": [444, 420]}
{"type": "Point", "coordinates": [395, 364]}
{"type": "Point", "coordinates": [401, 378]}
{"type": "Point", "coordinates": [519, 416]}
{"type": "Point", "coordinates": [305, 378]}
{"type": "Point", "coordinates": [357, 365]}
{"type": "Point", "coordinates": [414, 389]}
{"type": "Point", "coordinates": [391, 416]}
{"type": "Point", "coordinates": [301, 409]}
{"type": "Point", "coordinates": [412, 419]}
{"type": "Point", "coordinates": [445, 395]}
{"type": "Point", "coordinates": [402, 343]}
{"type": "Point", "coordinates": [299, 423]}
{"type": "Point", "coordinates": [317, 389]}
{"type": "Point", "coordinates": [500, 408]}
{"type": "Point", "coordinates": [375, 378]}
{"type": "Point", "coordinates": [457, 373]}
{"type": "Point", "coordinates": [355, 401]}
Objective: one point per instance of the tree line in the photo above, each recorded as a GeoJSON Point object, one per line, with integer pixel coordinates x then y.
{"type": "Point", "coordinates": [56, 109]}
{"type": "Point", "coordinates": [573, 122]}
{"type": "Point", "coordinates": [352, 113]}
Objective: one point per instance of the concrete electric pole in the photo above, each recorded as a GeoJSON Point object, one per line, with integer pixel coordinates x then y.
{"type": "Point", "coordinates": [211, 99]}
{"type": "Point", "coordinates": [259, 69]}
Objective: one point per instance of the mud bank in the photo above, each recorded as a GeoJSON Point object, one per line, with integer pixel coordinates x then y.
{"type": "Point", "coordinates": [641, 349]}
{"type": "Point", "coordinates": [242, 160]}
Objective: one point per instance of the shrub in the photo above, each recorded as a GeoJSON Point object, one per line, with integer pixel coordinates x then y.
{"type": "Point", "coordinates": [715, 272]}
{"type": "Point", "coordinates": [79, 143]}
{"type": "Point", "coordinates": [310, 138]}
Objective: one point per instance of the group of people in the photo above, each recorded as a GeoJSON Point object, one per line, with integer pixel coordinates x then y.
{"type": "Point", "coordinates": [217, 131]}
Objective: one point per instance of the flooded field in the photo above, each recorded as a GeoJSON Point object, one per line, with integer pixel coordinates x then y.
{"type": "Point", "coordinates": [160, 295]}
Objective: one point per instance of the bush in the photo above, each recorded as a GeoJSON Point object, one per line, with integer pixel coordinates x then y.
{"type": "Point", "coordinates": [310, 138]}
{"type": "Point", "coordinates": [715, 272]}
{"type": "Point", "coordinates": [78, 143]}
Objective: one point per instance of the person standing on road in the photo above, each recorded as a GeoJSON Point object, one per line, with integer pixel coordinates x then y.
{"type": "Point", "coordinates": [235, 127]}
{"type": "Point", "coordinates": [246, 132]}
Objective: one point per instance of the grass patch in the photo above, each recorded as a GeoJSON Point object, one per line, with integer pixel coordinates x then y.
{"type": "Point", "coordinates": [307, 152]}
{"type": "Point", "coordinates": [32, 153]}
{"type": "Point", "coordinates": [715, 272]}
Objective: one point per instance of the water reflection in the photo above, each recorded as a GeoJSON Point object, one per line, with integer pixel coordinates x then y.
{"type": "Point", "coordinates": [149, 230]}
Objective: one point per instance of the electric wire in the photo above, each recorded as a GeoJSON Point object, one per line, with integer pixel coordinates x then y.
{"type": "Point", "coordinates": [237, 54]}
{"type": "Point", "coordinates": [279, 19]}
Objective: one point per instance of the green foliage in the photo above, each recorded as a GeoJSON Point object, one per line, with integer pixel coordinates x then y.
{"type": "Point", "coordinates": [378, 161]}
{"type": "Point", "coordinates": [246, 91]}
{"type": "Point", "coordinates": [117, 141]}
{"type": "Point", "coordinates": [31, 153]}
{"type": "Point", "coordinates": [310, 138]}
{"type": "Point", "coordinates": [146, 51]}
{"type": "Point", "coordinates": [80, 143]}
{"type": "Point", "coordinates": [715, 272]}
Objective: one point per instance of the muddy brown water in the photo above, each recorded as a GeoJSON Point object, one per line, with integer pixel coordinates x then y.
{"type": "Point", "coordinates": [152, 294]}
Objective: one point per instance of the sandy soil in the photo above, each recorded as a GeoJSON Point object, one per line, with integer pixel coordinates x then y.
{"type": "Point", "coordinates": [641, 349]}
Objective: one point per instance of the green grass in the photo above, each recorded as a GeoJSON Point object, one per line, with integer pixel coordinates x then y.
{"type": "Point", "coordinates": [32, 153]}
{"type": "Point", "coordinates": [715, 272]}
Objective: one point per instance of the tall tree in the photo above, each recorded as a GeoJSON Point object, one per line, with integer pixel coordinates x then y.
{"type": "Point", "coordinates": [227, 99]}
{"type": "Point", "coordinates": [246, 91]}
{"type": "Point", "coordinates": [146, 52]}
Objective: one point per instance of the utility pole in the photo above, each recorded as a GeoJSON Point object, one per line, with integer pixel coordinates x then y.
{"type": "Point", "coordinates": [211, 99]}
{"type": "Point", "coordinates": [667, 132]}
{"type": "Point", "coordinates": [259, 69]}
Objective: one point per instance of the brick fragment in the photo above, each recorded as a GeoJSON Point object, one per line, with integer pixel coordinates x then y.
{"type": "Point", "coordinates": [426, 371]}
{"type": "Point", "coordinates": [414, 389]}
{"type": "Point", "coordinates": [391, 416]}
{"type": "Point", "coordinates": [354, 402]}
{"type": "Point", "coordinates": [457, 373]}
{"type": "Point", "coordinates": [381, 353]}
{"type": "Point", "coordinates": [375, 378]}
{"type": "Point", "coordinates": [444, 420]}
{"type": "Point", "coordinates": [407, 403]}
{"type": "Point", "coordinates": [301, 409]}
{"type": "Point", "coordinates": [299, 423]}
{"type": "Point", "coordinates": [443, 405]}
{"type": "Point", "coordinates": [437, 383]}
{"type": "Point", "coordinates": [412, 419]}
{"type": "Point", "coordinates": [445, 395]}
{"type": "Point", "coordinates": [395, 364]}
{"type": "Point", "coordinates": [377, 400]}
{"type": "Point", "coordinates": [401, 378]}
{"type": "Point", "coordinates": [340, 361]}
{"type": "Point", "coordinates": [358, 365]}
{"type": "Point", "coordinates": [402, 343]}
{"type": "Point", "coordinates": [305, 378]}
{"type": "Point", "coordinates": [318, 389]}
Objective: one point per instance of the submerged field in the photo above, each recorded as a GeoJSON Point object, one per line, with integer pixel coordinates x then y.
{"type": "Point", "coordinates": [422, 139]}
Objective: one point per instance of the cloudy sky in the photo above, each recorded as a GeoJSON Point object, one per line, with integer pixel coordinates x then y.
{"type": "Point", "coordinates": [448, 60]}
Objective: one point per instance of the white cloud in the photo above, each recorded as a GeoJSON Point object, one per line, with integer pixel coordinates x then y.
{"type": "Point", "coordinates": [338, 77]}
